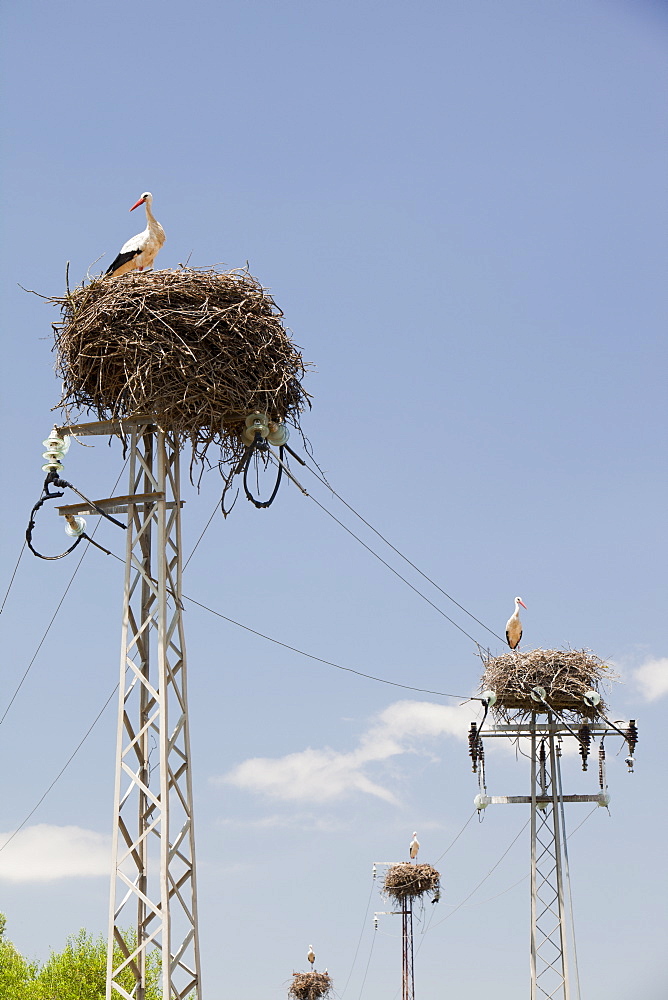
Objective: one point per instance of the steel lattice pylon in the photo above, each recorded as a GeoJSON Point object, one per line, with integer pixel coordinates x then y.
{"type": "Point", "coordinates": [153, 889]}
{"type": "Point", "coordinates": [407, 968]}
{"type": "Point", "coordinates": [549, 916]}
{"type": "Point", "coordinates": [552, 936]}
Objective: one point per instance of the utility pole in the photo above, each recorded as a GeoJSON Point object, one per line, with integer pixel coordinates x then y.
{"type": "Point", "coordinates": [153, 886]}
{"type": "Point", "coordinates": [553, 958]}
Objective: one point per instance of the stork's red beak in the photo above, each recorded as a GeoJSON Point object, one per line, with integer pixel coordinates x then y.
{"type": "Point", "coordinates": [521, 602]}
{"type": "Point", "coordinates": [140, 202]}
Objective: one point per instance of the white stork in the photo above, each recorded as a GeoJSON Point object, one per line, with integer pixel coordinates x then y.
{"type": "Point", "coordinates": [142, 249]}
{"type": "Point", "coordinates": [311, 955]}
{"type": "Point", "coordinates": [514, 625]}
{"type": "Point", "coordinates": [414, 847]}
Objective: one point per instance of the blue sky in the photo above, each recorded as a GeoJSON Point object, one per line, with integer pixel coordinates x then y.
{"type": "Point", "coordinates": [460, 207]}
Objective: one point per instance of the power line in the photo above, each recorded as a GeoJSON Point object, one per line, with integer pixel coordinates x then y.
{"type": "Point", "coordinates": [366, 971]}
{"type": "Point", "coordinates": [417, 569]}
{"type": "Point", "coordinates": [510, 887]}
{"type": "Point", "coordinates": [62, 770]}
{"type": "Point", "coordinates": [483, 880]}
{"type": "Point", "coordinates": [4, 600]}
{"type": "Point", "coordinates": [55, 614]}
{"type": "Point", "coordinates": [319, 659]}
{"type": "Point", "coordinates": [206, 527]}
{"type": "Point", "coordinates": [46, 632]}
{"type": "Point", "coordinates": [393, 570]}
{"type": "Point", "coordinates": [359, 940]}
{"type": "Point", "coordinates": [453, 842]}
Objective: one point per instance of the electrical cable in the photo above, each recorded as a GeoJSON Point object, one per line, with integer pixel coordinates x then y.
{"type": "Point", "coordinates": [366, 971]}
{"type": "Point", "coordinates": [386, 564]}
{"type": "Point", "coordinates": [259, 445]}
{"type": "Point", "coordinates": [62, 770]}
{"type": "Point", "coordinates": [53, 479]}
{"type": "Point", "coordinates": [417, 569]}
{"type": "Point", "coordinates": [483, 880]}
{"type": "Point", "coordinates": [525, 877]}
{"type": "Point", "coordinates": [43, 639]}
{"type": "Point", "coordinates": [452, 844]}
{"type": "Point", "coordinates": [206, 528]}
{"type": "Point", "coordinates": [319, 659]}
{"type": "Point", "coordinates": [510, 887]}
{"type": "Point", "coordinates": [4, 600]}
{"type": "Point", "coordinates": [359, 940]}
{"type": "Point", "coordinates": [55, 614]}
{"type": "Point", "coordinates": [393, 570]}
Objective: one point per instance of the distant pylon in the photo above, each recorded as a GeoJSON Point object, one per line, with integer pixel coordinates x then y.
{"type": "Point", "coordinates": [408, 970]}
{"type": "Point", "coordinates": [552, 946]}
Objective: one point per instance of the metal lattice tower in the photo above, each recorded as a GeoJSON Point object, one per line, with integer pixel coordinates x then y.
{"type": "Point", "coordinates": [553, 957]}
{"type": "Point", "coordinates": [407, 968]}
{"type": "Point", "coordinates": [549, 914]}
{"type": "Point", "coordinates": [153, 886]}
{"type": "Point", "coordinates": [153, 901]}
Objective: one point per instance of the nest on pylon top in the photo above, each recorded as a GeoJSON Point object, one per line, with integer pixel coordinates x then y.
{"type": "Point", "coordinates": [199, 349]}
{"type": "Point", "coordinates": [566, 675]}
{"type": "Point", "coordinates": [310, 985]}
{"type": "Point", "coordinates": [406, 880]}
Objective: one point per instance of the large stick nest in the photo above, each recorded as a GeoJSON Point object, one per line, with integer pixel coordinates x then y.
{"type": "Point", "coordinates": [566, 674]}
{"type": "Point", "coordinates": [310, 985]}
{"type": "Point", "coordinates": [199, 349]}
{"type": "Point", "coordinates": [408, 880]}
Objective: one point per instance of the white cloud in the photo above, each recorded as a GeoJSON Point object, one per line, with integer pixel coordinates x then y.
{"type": "Point", "coordinates": [43, 853]}
{"type": "Point", "coordinates": [652, 678]}
{"type": "Point", "coordinates": [324, 775]}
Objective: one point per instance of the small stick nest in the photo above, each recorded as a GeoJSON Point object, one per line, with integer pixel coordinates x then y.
{"type": "Point", "coordinates": [198, 348]}
{"type": "Point", "coordinates": [310, 985]}
{"type": "Point", "coordinates": [406, 880]}
{"type": "Point", "coordinates": [566, 674]}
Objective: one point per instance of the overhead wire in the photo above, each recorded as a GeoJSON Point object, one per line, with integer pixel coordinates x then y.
{"type": "Point", "coordinates": [366, 971]}
{"type": "Point", "coordinates": [357, 514]}
{"type": "Point", "coordinates": [510, 887]}
{"type": "Point", "coordinates": [393, 570]}
{"type": "Point", "coordinates": [55, 614]}
{"type": "Point", "coordinates": [62, 770]}
{"type": "Point", "coordinates": [359, 940]}
{"type": "Point", "coordinates": [4, 600]}
{"type": "Point", "coordinates": [320, 659]}
{"type": "Point", "coordinates": [453, 842]}
{"type": "Point", "coordinates": [484, 879]}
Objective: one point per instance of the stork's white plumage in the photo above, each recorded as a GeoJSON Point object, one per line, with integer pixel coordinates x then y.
{"type": "Point", "coordinates": [142, 249]}
{"type": "Point", "coordinates": [414, 847]}
{"type": "Point", "coordinates": [514, 625]}
{"type": "Point", "coordinates": [311, 955]}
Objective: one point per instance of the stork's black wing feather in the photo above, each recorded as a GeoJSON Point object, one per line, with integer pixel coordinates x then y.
{"type": "Point", "coordinates": [122, 258]}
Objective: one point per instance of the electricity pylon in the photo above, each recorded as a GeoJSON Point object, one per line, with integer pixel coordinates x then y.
{"type": "Point", "coordinates": [153, 885]}
{"type": "Point", "coordinates": [407, 966]}
{"type": "Point", "coordinates": [553, 956]}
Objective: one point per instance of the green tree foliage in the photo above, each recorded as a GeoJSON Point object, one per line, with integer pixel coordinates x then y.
{"type": "Point", "coordinates": [17, 976]}
{"type": "Point", "coordinates": [76, 973]}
